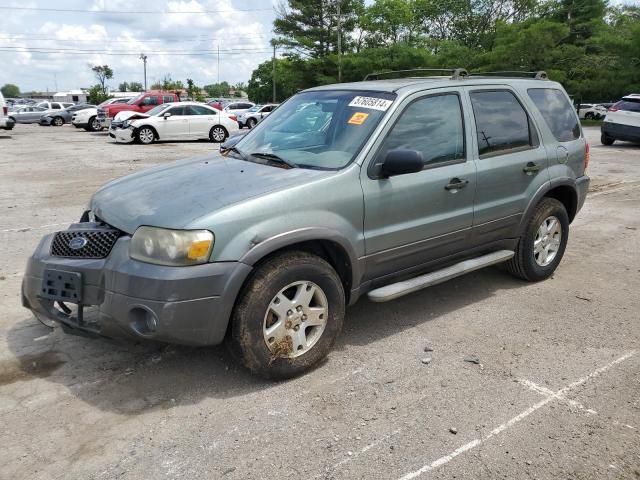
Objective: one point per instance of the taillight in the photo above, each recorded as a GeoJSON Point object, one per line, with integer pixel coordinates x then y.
{"type": "Point", "coordinates": [233, 117]}
{"type": "Point", "coordinates": [612, 109]}
{"type": "Point", "coordinates": [586, 156]}
{"type": "Point", "coordinates": [5, 110]}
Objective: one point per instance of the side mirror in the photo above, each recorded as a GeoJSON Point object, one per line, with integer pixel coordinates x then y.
{"type": "Point", "coordinates": [166, 115]}
{"type": "Point", "coordinates": [401, 162]}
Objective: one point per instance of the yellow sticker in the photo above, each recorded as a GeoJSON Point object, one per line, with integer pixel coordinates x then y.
{"type": "Point", "coordinates": [358, 118]}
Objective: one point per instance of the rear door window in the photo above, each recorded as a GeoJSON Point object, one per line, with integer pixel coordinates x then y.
{"type": "Point", "coordinates": [557, 113]}
{"type": "Point", "coordinates": [502, 123]}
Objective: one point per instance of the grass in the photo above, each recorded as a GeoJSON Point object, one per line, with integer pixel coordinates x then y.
{"type": "Point", "coordinates": [591, 123]}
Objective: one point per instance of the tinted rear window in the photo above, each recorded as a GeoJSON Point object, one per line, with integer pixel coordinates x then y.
{"type": "Point", "coordinates": [501, 122]}
{"type": "Point", "coordinates": [557, 113]}
{"type": "Point", "coordinates": [629, 105]}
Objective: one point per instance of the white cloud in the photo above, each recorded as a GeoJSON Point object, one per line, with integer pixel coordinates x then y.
{"type": "Point", "coordinates": [167, 39]}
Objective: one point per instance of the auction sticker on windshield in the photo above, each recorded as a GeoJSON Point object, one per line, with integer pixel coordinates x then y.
{"type": "Point", "coordinates": [373, 103]}
{"type": "Point", "coordinates": [358, 118]}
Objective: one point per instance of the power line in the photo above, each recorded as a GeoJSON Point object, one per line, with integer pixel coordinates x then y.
{"type": "Point", "coordinates": [135, 12]}
{"type": "Point", "coordinates": [100, 52]}
{"type": "Point", "coordinates": [197, 38]}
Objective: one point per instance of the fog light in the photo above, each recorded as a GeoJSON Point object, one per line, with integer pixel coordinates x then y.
{"type": "Point", "coordinates": [143, 321]}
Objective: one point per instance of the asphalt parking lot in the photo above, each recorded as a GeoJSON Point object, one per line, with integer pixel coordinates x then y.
{"type": "Point", "coordinates": [554, 395]}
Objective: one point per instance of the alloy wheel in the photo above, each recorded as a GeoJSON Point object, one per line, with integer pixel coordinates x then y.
{"type": "Point", "coordinates": [547, 241]}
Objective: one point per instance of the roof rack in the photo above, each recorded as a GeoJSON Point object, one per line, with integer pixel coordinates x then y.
{"type": "Point", "coordinates": [539, 75]}
{"type": "Point", "coordinates": [454, 73]}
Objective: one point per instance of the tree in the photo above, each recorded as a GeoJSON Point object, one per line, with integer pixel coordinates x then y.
{"type": "Point", "coordinates": [97, 95]}
{"type": "Point", "coordinates": [309, 27]}
{"type": "Point", "coordinates": [217, 89]}
{"type": "Point", "coordinates": [102, 73]}
{"type": "Point", "coordinates": [10, 90]}
{"type": "Point", "coordinates": [123, 87]}
{"type": "Point", "coordinates": [192, 90]}
{"type": "Point", "coordinates": [135, 87]}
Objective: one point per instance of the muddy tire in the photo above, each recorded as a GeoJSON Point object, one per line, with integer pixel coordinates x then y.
{"type": "Point", "coordinates": [288, 315]}
{"type": "Point", "coordinates": [543, 242]}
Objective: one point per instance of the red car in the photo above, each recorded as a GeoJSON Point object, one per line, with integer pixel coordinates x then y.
{"type": "Point", "coordinates": [142, 103]}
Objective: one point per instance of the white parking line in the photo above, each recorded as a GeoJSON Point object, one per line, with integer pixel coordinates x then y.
{"type": "Point", "coordinates": [559, 395]}
{"type": "Point", "coordinates": [550, 393]}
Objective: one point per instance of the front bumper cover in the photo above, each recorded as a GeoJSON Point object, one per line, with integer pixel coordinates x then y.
{"type": "Point", "coordinates": [126, 298]}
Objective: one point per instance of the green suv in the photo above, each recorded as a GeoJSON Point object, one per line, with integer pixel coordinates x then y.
{"type": "Point", "coordinates": [378, 188]}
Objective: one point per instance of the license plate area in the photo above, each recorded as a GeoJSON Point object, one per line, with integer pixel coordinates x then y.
{"type": "Point", "coordinates": [62, 286]}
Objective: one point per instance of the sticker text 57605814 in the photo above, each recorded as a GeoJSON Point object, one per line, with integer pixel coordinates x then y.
{"type": "Point", "coordinates": [372, 103]}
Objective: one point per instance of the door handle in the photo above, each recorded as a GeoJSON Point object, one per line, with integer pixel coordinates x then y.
{"type": "Point", "coordinates": [456, 184]}
{"type": "Point", "coordinates": [531, 168]}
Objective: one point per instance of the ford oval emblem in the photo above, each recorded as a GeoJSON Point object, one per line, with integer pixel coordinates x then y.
{"type": "Point", "coordinates": [77, 243]}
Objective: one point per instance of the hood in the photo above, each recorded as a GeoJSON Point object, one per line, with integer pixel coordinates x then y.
{"type": "Point", "coordinates": [178, 194]}
{"type": "Point", "coordinates": [129, 115]}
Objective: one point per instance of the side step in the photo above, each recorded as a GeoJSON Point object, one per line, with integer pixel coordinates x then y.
{"type": "Point", "coordinates": [396, 290]}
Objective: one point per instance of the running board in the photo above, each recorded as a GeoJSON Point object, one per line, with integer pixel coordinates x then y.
{"type": "Point", "coordinates": [396, 290]}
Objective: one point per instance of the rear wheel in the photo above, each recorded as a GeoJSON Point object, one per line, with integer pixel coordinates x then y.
{"type": "Point", "coordinates": [218, 134]}
{"type": "Point", "coordinates": [146, 135]}
{"type": "Point", "coordinates": [606, 139]}
{"type": "Point", "coordinates": [251, 122]}
{"type": "Point", "coordinates": [588, 116]}
{"type": "Point", "coordinates": [543, 242]}
{"type": "Point", "coordinates": [288, 315]}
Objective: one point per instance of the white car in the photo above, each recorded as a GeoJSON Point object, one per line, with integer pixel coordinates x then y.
{"type": "Point", "coordinates": [6, 123]}
{"type": "Point", "coordinates": [254, 115]}
{"type": "Point", "coordinates": [236, 108]}
{"type": "Point", "coordinates": [88, 118]}
{"type": "Point", "coordinates": [173, 121]}
{"type": "Point", "coordinates": [591, 111]}
{"type": "Point", "coordinates": [622, 121]}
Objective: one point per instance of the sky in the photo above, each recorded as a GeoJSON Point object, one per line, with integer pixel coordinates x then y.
{"type": "Point", "coordinates": [63, 44]}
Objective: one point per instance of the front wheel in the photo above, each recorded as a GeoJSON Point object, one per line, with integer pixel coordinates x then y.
{"type": "Point", "coordinates": [288, 315]}
{"type": "Point", "coordinates": [543, 242]}
{"type": "Point", "coordinates": [58, 121]}
{"type": "Point", "coordinates": [218, 134]}
{"type": "Point", "coordinates": [251, 123]}
{"type": "Point", "coordinates": [146, 135]}
{"type": "Point", "coordinates": [589, 116]}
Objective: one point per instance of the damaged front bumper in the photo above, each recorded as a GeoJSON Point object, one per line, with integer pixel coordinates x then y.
{"type": "Point", "coordinates": [116, 296]}
{"type": "Point", "coordinates": [122, 135]}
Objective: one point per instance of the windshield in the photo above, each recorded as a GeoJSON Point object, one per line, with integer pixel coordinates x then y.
{"type": "Point", "coordinates": [157, 110]}
{"type": "Point", "coordinates": [319, 129]}
{"type": "Point", "coordinates": [134, 100]}
{"type": "Point", "coordinates": [254, 109]}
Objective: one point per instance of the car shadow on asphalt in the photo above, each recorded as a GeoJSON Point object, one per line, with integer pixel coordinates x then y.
{"type": "Point", "coordinates": [133, 378]}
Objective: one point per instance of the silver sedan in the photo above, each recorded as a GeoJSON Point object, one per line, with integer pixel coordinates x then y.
{"type": "Point", "coordinates": [27, 114]}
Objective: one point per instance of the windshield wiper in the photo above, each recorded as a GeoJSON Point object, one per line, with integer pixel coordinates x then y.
{"type": "Point", "coordinates": [274, 158]}
{"type": "Point", "coordinates": [239, 152]}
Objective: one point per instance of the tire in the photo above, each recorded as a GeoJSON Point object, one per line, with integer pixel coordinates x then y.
{"type": "Point", "coordinates": [57, 122]}
{"type": "Point", "coordinates": [588, 116]}
{"type": "Point", "coordinates": [240, 125]}
{"type": "Point", "coordinates": [218, 134]}
{"type": "Point", "coordinates": [146, 135]}
{"type": "Point", "coordinates": [285, 276]}
{"type": "Point", "coordinates": [13, 118]}
{"type": "Point", "coordinates": [533, 266]}
{"type": "Point", "coordinates": [251, 123]}
{"type": "Point", "coordinates": [606, 139]}
{"type": "Point", "coordinates": [93, 125]}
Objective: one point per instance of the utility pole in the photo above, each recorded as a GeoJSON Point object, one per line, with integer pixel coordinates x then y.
{"type": "Point", "coordinates": [339, 43]}
{"type": "Point", "coordinates": [273, 74]}
{"type": "Point", "coordinates": [219, 65]}
{"type": "Point", "coordinates": [143, 57]}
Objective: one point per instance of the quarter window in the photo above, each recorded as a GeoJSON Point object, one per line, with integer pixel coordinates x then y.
{"type": "Point", "coordinates": [557, 113]}
{"type": "Point", "coordinates": [502, 124]}
{"type": "Point", "coordinates": [433, 126]}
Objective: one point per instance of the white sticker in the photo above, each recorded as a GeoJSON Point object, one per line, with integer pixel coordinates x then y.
{"type": "Point", "coordinates": [373, 103]}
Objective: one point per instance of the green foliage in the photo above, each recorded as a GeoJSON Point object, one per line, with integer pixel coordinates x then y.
{"type": "Point", "coordinates": [592, 48]}
{"type": "Point", "coordinates": [97, 95]}
{"type": "Point", "coordinates": [217, 89]}
{"type": "Point", "coordinates": [168, 84]}
{"type": "Point", "coordinates": [102, 73]}
{"type": "Point", "coordinates": [10, 90]}
{"type": "Point", "coordinates": [135, 87]}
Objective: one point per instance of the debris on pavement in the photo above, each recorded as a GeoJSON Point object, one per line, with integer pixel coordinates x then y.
{"type": "Point", "coordinates": [426, 360]}
{"type": "Point", "coordinates": [453, 430]}
{"type": "Point", "coordinates": [472, 359]}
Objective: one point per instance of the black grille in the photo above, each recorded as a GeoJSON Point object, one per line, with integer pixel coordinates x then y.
{"type": "Point", "coordinates": [98, 243]}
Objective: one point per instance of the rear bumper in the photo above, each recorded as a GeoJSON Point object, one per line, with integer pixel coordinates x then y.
{"type": "Point", "coordinates": [8, 124]}
{"type": "Point", "coordinates": [582, 187]}
{"type": "Point", "coordinates": [121, 297]}
{"type": "Point", "coordinates": [619, 131]}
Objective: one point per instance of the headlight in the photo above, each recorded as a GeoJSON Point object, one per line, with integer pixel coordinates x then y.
{"type": "Point", "coordinates": [126, 124]}
{"type": "Point", "coordinates": [174, 248]}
